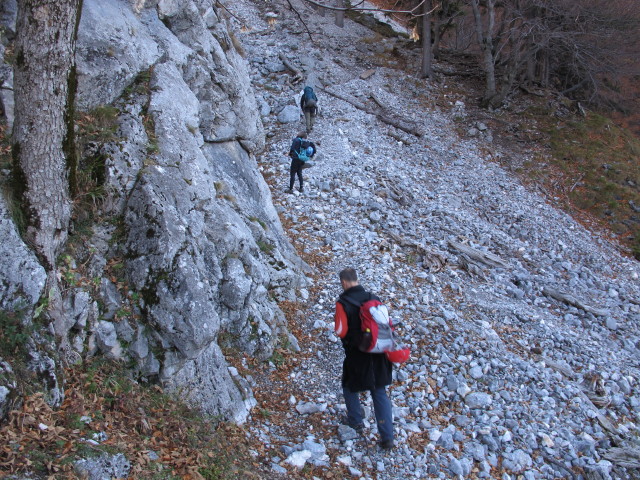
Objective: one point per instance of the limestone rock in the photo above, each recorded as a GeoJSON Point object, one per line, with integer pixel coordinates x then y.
{"type": "Point", "coordinates": [22, 278]}
{"type": "Point", "coordinates": [113, 47]}
{"type": "Point", "coordinates": [104, 466]}
{"type": "Point", "coordinates": [8, 388]}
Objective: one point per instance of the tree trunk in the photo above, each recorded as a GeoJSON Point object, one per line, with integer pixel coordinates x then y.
{"type": "Point", "coordinates": [43, 141]}
{"type": "Point", "coordinates": [437, 35]}
{"type": "Point", "coordinates": [425, 71]}
{"type": "Point", "coordinates": [340, 13]}
{"type": "Point", "coordinates": [485, 41]}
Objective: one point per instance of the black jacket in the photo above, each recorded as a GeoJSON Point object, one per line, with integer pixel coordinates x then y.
{"type": "Point", "coordinates": [361, 370]}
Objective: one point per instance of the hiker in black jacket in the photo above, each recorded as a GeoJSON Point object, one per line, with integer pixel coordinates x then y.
{"type": "Point", "coordinates": [361, 370]}
{"type": "Point", "coordinates": [300, 142]}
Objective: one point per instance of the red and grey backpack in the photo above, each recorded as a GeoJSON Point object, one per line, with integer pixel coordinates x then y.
{"type": "Point", "coordinates": [377, 330]}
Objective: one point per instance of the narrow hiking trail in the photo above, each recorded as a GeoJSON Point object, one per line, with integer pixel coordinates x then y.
{"type": "Point", "coordinates": [463, 255]}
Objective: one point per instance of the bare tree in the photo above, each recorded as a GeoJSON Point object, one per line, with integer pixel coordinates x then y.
{"type": "Point", "coordinates": [570, 44]}
{"type": "Point", "coordinates": [425, 70]}
{"type": "Point", "coordinates": [485, 25]}
{"type": "Point", "coordinates": [444, 16]}
{"type": "Point", "coordinates": [589, 42]}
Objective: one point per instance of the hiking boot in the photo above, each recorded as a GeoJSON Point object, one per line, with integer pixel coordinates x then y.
{"type": "Point", "coordinates": [358, 428]}
{"type": "Point", "coordinates": [386, 444]}
{"type": "Point", "coordinates": [288, 190]}
{"type": "Point", "coordinates": [301, 189]}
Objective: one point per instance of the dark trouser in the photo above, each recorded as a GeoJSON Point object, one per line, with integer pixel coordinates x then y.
{"type": "Point", "coordinates": [295, 169]}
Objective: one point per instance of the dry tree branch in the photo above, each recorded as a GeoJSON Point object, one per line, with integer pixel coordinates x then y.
{"type": "Point", "coordinates": [365, 9]}
{"type": "Point", "coordinates": [300, 17]}
{"type": "Point", "coordinates": [223, 6]}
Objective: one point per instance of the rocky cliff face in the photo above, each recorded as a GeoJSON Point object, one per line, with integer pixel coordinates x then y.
{"type": "Point", "coordinates": [188, 220]}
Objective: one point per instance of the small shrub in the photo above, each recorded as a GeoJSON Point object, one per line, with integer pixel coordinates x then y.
{"type": "Point", "coordinates": [14, 334]}
{"type": "Point", "coordinates": [98, 125]}
{"type": "Point", "coordinates": [260, 222]}
{"type": "Point", "coordinates": [265, 247]}
{"type": "Point", "coordinates": [140, 84]}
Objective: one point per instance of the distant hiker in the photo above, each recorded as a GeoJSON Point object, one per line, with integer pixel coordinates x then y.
{"type": "Point", "coordinates": [361, 370]}
{"type": "Point", "coordinates": [309, 106]}
{"type": "Point", "coordinates": [301, 151]}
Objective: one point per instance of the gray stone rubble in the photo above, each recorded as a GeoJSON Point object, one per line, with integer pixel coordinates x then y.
{"type": "Point", "coordinates": [500, 380]}
{"type": "Point", "coordinates": [523, 325]}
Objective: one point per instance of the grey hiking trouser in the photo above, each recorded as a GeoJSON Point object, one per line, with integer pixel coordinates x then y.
{"type": "Point", "coordinates": [309, 118]}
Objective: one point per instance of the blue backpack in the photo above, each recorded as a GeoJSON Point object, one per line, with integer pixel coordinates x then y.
{"type": "Point", "coordinates": [310, 99]}
{"type": "Point", "coordinates": [305, 152]}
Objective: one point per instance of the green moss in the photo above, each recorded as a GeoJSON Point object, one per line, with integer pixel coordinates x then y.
{"type": "Point", "coordinates": [69, 141]}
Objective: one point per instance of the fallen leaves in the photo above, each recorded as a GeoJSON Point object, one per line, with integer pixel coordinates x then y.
{"type": "Point", "coordinates": [98, 415]}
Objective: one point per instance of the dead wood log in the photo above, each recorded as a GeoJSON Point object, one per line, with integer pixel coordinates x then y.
{"type": "Point", "coordinates": [394, 122]}
{"type": "Point", "coordinates": [560, 465]}
{"type": "Point", "coordinates": [573, 301]}
{"type": "Point", "coordinates": [432, 261]}
{"type": "Point", "coordinates": [564, 370]}
{"type": "Point", "coordinates": [470, 266]}
{"type": "Point", "coordinates": [627, 457]}
{"type": "Point", "coordinates": [604, 421]}
{"type": "Point", "coordinates": [624, 457]}
{"type": "Point", "coordinates": [378, 100]}
{"type": "Point", "coordinates": [475, 255]}
{"type": "Point", "coordinates": [297, 74]}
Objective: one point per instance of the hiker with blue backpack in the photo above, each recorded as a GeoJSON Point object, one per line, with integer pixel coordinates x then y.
{"type": "Point", "coordinates": [309, 107]}
{"type": "Point", "coordinates": [362, 370]}
{"type": "Point", "coordinates": [301, 153]}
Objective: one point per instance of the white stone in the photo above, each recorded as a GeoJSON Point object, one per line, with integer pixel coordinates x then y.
{"type": "Point", "coordinates": [299, 459]}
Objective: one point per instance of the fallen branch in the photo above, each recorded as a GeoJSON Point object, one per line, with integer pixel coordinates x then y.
{"type": "Point", "coordinates": [576, 184]}
{"type": "Point", "coordinates": [297, 74]}
{"type": "Point", "coordinates": [473, 254]}
{"type": "Point", "coordinates": [399, 124]}
{"type": "Point", "coordinates": [223, 6]}
{"type": "Point", "coordinates": [573, 301]}
{"type": "Point", "coordinates": [571, 375]}
{"type": "Point", "coordinates": [604, 421]}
